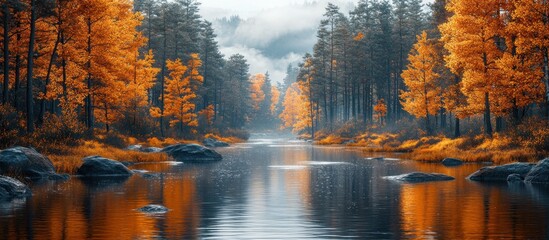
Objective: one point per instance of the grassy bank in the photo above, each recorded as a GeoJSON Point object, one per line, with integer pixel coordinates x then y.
{"type": "Point", "coordinates": [498, 149]}
{"type": "Point", "coordinates": [525, 143]}
{"type": "Point", "coordinates": [67, 156]}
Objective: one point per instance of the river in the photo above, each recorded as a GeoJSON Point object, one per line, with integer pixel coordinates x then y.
{"type": "Point", "coordinates": [276, 188]}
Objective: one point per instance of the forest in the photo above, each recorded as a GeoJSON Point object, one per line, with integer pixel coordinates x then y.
{"type": "Point", "coordinates": [73, 69]}
{"type": "Point", "coordinates": [462, 75]}
{"type": "Point", "coordinates": [470, 75]}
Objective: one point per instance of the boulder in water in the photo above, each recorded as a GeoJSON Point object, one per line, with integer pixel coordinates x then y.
{"type": "Point", "coordinates": [451, 162]}
{"type": "Point", "coordinates": [500, 173]}
{"type": "Point", "coordinates": [152, 150]}
{"type": "Point", "coordinates": [514, 178]}
{"type": "Point", "coordinates": [210, 142]}
{"type": "Point", "coordinates": [27, 163]}
{"type": "Point", "coordinates": [418, 177]}
{"type": "Point", "coordinates": [154, 209]}
{"type": "Point", "coordinates": [192, 153]}
{"type": "Point", "coordinates": [96, 166]}
{"type": "Point", "coordinates": [12, 188]}
{"type": "Point", "coordinates": [539, 173]}
{"type": "Point", "coordinates": [137, 148]}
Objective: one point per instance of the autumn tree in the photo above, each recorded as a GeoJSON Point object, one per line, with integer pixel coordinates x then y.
{"type": "Point", "coordinates": [531, 27]}
{"type": "Point", "coordinates": [470, 37]}
{"type": "Point", "coordinates": [296, 106]}
{"type": "Point", "coordinates": [422, 99]}
{"type": "Point", "coordinates": [180, 92]}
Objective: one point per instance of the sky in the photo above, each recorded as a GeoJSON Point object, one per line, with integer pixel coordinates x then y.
{"type": "Point", "coordinates": [273, 33]}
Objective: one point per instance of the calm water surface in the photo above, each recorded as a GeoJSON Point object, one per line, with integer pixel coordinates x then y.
{"type": "Point", "coordinates": [281, 189]}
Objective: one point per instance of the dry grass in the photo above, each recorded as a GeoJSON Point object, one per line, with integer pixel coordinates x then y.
{"type": "Point", "coordinates": [330, 140]}
{"type": "Point", "coordinates": [70, 158]}
{"type": "Point", "coordinates": [499, 149]}
{"type": "Point", "coordinates": [224, 139]}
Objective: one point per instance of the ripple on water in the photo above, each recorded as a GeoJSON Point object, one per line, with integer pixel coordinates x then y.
{"type": "Point", "coordinates": [288, 167]}
{"type": "Point", "coordinates": [320, 163]}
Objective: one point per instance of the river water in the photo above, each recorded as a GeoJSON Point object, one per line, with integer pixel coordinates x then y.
{"type": "Point", "coordinates": [281, 189]}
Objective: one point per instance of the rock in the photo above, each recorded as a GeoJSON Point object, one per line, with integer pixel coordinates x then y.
{"type": "Point", "coordinates": [500, 173]}
{"type": "Point", "coordinates": [515, 178]}
{"type": "Point", "coordinates": [137, 148]}
{"type": "Point", "coordinates": [418, 177]}
{"type": "Point", "coordinates": [27, 163]}
{"type": "Point", "coordinates": [539, 173]}
{"type": "Point", "coordinates": [192, 153]}
{"type": "Point", "coordinates": [352, 141]}
{"type": "Point", "coordinates": [12, 188]}
{"type": "Point", "coordinates": [154, 209]}
{"type": "Point", "coordinates": [210, 142]}
{"type": "Point", "coordinates": [98, 166]}
{"type": "Point", "coordinates": [451, 162]}
{"type": "Point", "coordinates": [152, 150]}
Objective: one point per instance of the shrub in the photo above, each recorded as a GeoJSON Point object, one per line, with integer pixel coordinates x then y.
{"type": "Point", "coordinates": [8, 125]}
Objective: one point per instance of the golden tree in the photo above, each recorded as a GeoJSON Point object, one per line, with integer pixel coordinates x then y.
{"type": "Point", "coordinates": [296, 106]}
{"type": "Point", "coordinates": [531, 26]}
{"type": "Point", "coordinates": [180, 90]}
{"type": "Point", "coordinates": [257, 94]}
{"type": "Point", "coordinates": [422, 98]}
{"type": "Point", "coordinates": [470, 37]}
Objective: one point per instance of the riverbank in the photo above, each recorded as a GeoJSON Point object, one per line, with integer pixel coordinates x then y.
{"type": "Point", "coordinates": [68, 157]}
{"type": "Point", "coordinates": [498, 149]}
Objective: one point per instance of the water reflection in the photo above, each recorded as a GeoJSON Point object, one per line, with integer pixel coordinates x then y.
{"type": "Point", "coordinates": [275, 189]}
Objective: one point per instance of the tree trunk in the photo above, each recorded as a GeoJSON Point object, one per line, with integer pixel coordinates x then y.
{"type": "Point", "coordinates": [30, 66]}
{"type": "Point", "coordinates": [89, 100]}
{"type": "Point", "coordinates": [48, 75]}
{"type": "Point", "coordinates": [6, 26]}
{"type": "Point", "coordinates": [487, 115]}
{"type": "Point", "coordinates": [499, 124]}
{"type": "Point", "coordinates": [546, 79]}
{"type": "Point", "coordinates": [457, 132]}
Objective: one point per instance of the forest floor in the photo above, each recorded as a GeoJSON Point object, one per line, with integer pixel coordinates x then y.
{"type": "Point", "coordinates": [498, 149]}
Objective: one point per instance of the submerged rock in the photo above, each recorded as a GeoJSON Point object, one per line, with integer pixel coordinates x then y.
{"type": "Point", "coordinates": [451, 162]}
{"type": "Point", "coordinates": [12, 188]}
{"type": "Point", "coordinates": [539, 173]}
{"type": "Point", "coordinates": [515, 178]}
{"type": "Point", "coordinates": [96, 166]}
{"type": "Point", "coordinates": [154, 209]}
{"type": "Point", "coordinates": [152, 150]}
{"type": "Point", "coordinates": [27, 163]}
{"type": "Point", "coordinates": [210, 142]}
{"type": "Point", "coordinates": [192, 153]}
{"type": "Point", "coordinates": [418, 177]}
{"type": "Point", "coordinates": [500, 173]}
{"type": "Point", "coordinates": [137, 148]}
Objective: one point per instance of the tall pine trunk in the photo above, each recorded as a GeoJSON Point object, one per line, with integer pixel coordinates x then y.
{"type": "Point", "coordinates": [6, 25]}
{"type": "Point", "coordinates": [89, 100]}
{"type": "Point", "coordinates": [457, 131]}
{"type": "Point", "coordinates": [30, 66]}
{"type": "Point", "coordinates": [487, 115]}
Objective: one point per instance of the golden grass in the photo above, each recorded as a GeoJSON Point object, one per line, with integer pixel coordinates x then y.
{"type": "Point", "coordinates": [224, 139]}
{"type": "Point", "coordinates": [499, 149]}
{"type": "Point", "coordinates": [71, 157]}
{"type": "Point", "coordinates": [330, 140]}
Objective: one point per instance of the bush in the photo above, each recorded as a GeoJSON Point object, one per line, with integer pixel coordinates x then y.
{"type": "Point", "coordinates": [238, 133]}
{"type": "Point", "coordinates": [9, 125]}
{"type": "Point", "coordinates": [115, 140]}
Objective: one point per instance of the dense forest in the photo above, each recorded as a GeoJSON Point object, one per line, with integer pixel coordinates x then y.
{"type": "Point", "coordinates": [390, 67]}
{"type": "Point", "coordinates": [73, 68]}
{"type": "Point", "coordinates": [153, 68]}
